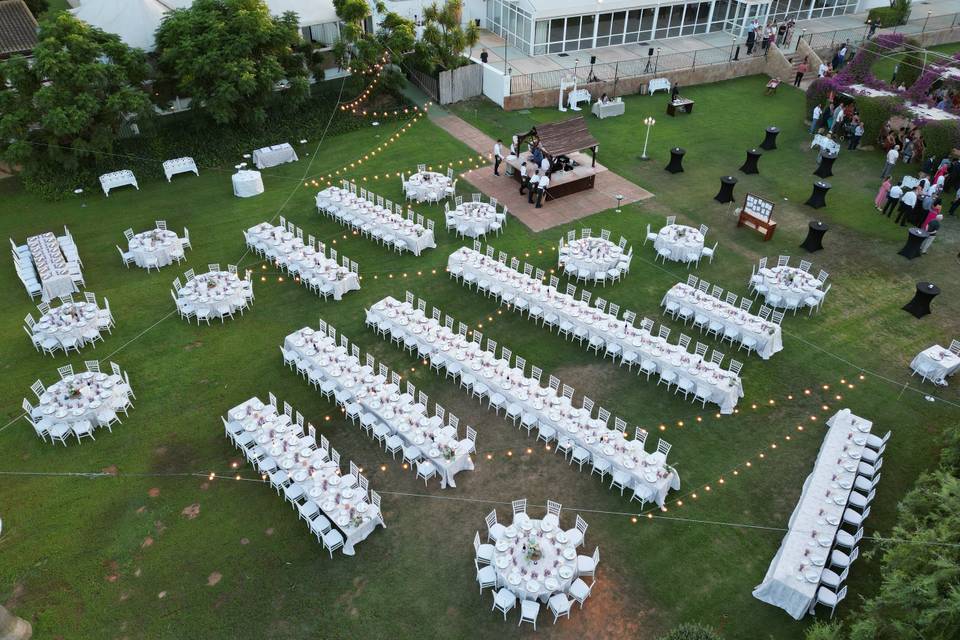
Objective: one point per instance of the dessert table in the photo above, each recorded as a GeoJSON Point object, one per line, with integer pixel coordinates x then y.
{"type": "Point", "coordinates": [936, 363]}
{"type": "Point", "coordinates": [589, 257]}
{"type": "Point", "coordinates": [427, 185]}
{"type": "Point", "coordinates": [342, 502]}
{"type": "Point", "coordinates": [162, 245]}
{"type": "Point", "coordinates": [793, 577]}
{"type": "Point", "coordinates": [272, 156]}
{"type": "Point", "coordinates": [551, 407]}
{"type": "Point", "coordinates": [535, 559]}
{"type": "Point", "coordinates": [51, 266]}
{"type": "Point", "coordinates": [766, 335]}
{"type": "Point", "coordinates": [474, 219]}
{"type": "Point", "coordinates": [684, 243]}
{"type": "Point", "coordinates": [375, 219]}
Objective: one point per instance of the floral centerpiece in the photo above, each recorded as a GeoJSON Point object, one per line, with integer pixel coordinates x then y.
{"type": "Point", "coordinates": [357, 520]}
{"type": "Point", "coordinates": [534, 553]}
{"type": "Point", "coordinates": [447, 452]}
{"type": "Point", "coordinates": [73, 392]}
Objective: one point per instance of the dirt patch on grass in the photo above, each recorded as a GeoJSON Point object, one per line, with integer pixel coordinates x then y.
{"type": "Point", "coordinates": [196, 344]}
{"type": "Point", "coordinates": [191, 511]}
{"type": "Point", "coordinates": [16, 596]}
{"type": "Point", "coordinates": [214, 578]}
{"type": "Point", "coordinates": [347, 599]}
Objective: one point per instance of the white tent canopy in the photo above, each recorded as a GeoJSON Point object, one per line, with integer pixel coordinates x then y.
{"type": "Point", "coordinates": [136, 21]}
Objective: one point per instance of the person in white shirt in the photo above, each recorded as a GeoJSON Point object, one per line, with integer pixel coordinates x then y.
{"type": "Point", "coordinates": [907, 204]}
{"type": "Point", "coordinates": [893, 199]}
{"type": "Point", "coordinates": [497, 157]}
{"type": "Point", "coordinates": [822, 70]}
{"type": "Point", "coordinates": [544, 165]}
{"type": "Point", "coordinates": [534, 186]}
{"type": "Point", "coordinates": [892, 156]}
{"type": "Point", "coordinates": [524, 180]}
{"type": "Point", "coordinates": [544, 183]}
{"type": "Point", "coordinates": [817, 112]}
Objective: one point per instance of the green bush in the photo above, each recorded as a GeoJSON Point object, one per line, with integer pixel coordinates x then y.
{"type": "Point", "coordinates": [693, 631]}
{"type": "Point", "coordinates": [909, 67]}
{"type": "Point", "coordinates": [896, 14]}
{"type": "Point", "coordinates": [822, 630]}
{"type": "Point", "coordinates": [875, 112]}
{"type": "Point", "coordinates": [817, 93]}
{"type": "Point", "coordinates": [940, 137]}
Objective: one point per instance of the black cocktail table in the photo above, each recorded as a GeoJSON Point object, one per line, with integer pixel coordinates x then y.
{"type": "Point", "coordinates": [750, 166]}
{"type": "Point", "coordinates": [920, 305]}
{"type": "Point", "coordinates": [726, 189]}
{"type": "Point", "coordinates": [915, 240]}
{"type": "Point", "coordinates": [814, 240]}
{"type": "Point", "coordinates": [825, 168]}
{"type": "Point", "coordinates": [818, 198]}
{"type": "Point", "coordinates": [770, 141]}
{"type": "Point", "coordinates": [676, 160]}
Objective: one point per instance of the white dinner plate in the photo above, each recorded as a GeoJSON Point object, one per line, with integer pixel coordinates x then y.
{"type": "Point", "coordinates": [566, 572]}
{"type": "Point", "coordinates": [503, 562]}
{"type": "Point", "coordinates": [533, 586]}
{"type": "Point", "coordinates": [569, 553]}
{"type": "Point", "coordinates": [514, 579]}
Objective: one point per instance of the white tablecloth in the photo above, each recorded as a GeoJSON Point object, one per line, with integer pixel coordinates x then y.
{"type": "Point", "coordinates": [608, 110]}
{"type": "Point", "coordinates": [247, 183]}
{"type": "Point", "coordinates": [685, 243]}
{"type": "Point", "coordinates": [550, 407]}
{"type": "Point", "coordinates": [51, 266]}
{"type": "Point", "coordinates": [791, 284]}
{"type": "Point", "coordinates": [825, 143]}
{"type": "Point", "coordinates": [347, 508]}
{"type": "Point", "coordinates": [768, 336]}
{"type": "Point", "coordinates": [68, 322]}
{"type": "Point", "coordinates": [937, 362]}
{"type": "Point", "coordinates": [384, 401]}
{"type": "Point", "coordinates": [282, 246]}
{"type": "Point", "coordinates": [179, 165]}
{"type": "Point", "coordinates": [591, 255]}
{"type": "Point", "coordinates": [82, 396]}
{"type": "Point", "coordinates": [553, 572]}
{"type": "Point", "coordinates": [794, 575]}
{"type": "Point", "coordinates": [725, 388]}
{"type": "Point", "coordinates": [215, 292]}
{"type": "Point", "coordinates": [474, 219]}
{"type": "Point", "coordinates": [423, 183]}
{"type": "Point", "coordinates": [375, 219]}
{"type": "Point", "coordinates": [164, 245]}
{"type": "Point", "coordinates": [274, 155]}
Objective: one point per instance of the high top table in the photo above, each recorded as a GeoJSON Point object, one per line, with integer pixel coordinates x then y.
{"type": "Point", "coordinates": [750, 165]}
{"type": "Point", "coordinates": [726, 189]}
{"type": "Point", "coordinates": [920, 305]}
{"type": "Point", "coordinates": [676, 160]}
{"type": "Point", "coordinates": [915, 240]}
{"type": "Point", "coordinates": [825, 168]}
{"type": "Point", "coordinates": [770, 141]}
{"type": "Point", "coordinates": [814, 240]}
{"type": "Point", "coordinates": [818, 198]}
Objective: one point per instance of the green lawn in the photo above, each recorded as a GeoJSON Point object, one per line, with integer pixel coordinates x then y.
{"type": "Point", "coordinates": [117, 557]}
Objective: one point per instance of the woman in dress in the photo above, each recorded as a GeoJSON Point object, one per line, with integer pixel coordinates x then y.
{"type": "Point", "coordinates": [881, 198]}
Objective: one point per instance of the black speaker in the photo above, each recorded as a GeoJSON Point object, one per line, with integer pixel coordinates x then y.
{"type": "Point", "coordinates": [650, 52]}
{"type": "Point", "coordinates": [477, 21]}
{"type": "Point", "coordinates": [593, 59]}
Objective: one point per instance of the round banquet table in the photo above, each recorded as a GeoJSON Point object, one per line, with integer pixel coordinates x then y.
{"type": "Point", "coordinates": [818, 198]}
{"type": "Point", "coordinates": [685, 243]}
{"type": "Point", "coordinates": [676, 160]}
{"type": "Point", "coordinates": [726, 189]}
{"type": "Point", "coordinates": [423, 183]}
{"type": "Point", "coordinates": [164, 245]}
{"type": "Point", "coordinates": [474, 219]}
{"type": "Point", "coordinates": [920, 305]}
{"type": "Point", "coordinates": [825, 168]}
{"type": "Point", "coordinates": [538, 579]}
{"type": "Point", "coordinates": [594, 255]}
{"type": "Point", "coordinates": [815, 232]}
{"type": "Point", "coordinates": [750, 165]}
{"type": "Point", "coordinates": [82, 396]}
{"type": "Point", "coordinates": [214, 290]}
{"type": "Point", "coordinates": [915, 240]}
{"type": "Point", "coordinates": [247, 183]}
{"type": "Point", "coordinates": [770, 140]}
{"type": "Point", "coordinates": [68, 322]}
{"type": "Point", "coordinates": [790, 284]}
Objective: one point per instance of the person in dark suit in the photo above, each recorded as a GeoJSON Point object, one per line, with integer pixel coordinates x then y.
{"type": "Point", "coordinates": [534, 183]}
{"type": "Point", "coordinates": [675, 92]}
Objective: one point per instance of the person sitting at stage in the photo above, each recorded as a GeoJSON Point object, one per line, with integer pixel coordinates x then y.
{"type": "Point", "coordinates": [541, 189]}
{"type": "Point", "coordinates": [524, 178]}
{"type": "Point", "coordinates": [536, 154]}
{"type": "Point", "coordinates": [534, 184]}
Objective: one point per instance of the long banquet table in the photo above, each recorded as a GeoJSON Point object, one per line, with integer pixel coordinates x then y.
{"type": "Point", "coordinates": [51, 265]}
{"type": "Point", "coordinates": [793, 577]}
{"type": "Point", "coordinates": [375, 219]}
{"type": "Point", "coordinates": [551, 407]}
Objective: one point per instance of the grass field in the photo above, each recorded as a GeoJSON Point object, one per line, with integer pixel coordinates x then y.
{"type": "Point", "coordinates": [883, 68]}
{"type": "Point", "coordinates": [119, 555]}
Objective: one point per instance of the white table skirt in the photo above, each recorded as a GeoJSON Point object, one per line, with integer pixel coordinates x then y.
{"type": "Point", "coordinates": [363, 213]}
{"type": "Point", "coordinates": [145, 245]}
{"type": "Point", "coordinates": [247, 183]}
{"type": "Point", "coordinates": [509, 549]}
{"type": "Point", "coordinates": [778, 282]}
{"type": "Point", "coordinates": [726, 389]}
{"type": "Point", "coordinates": [298, 343]}
{"type": "Point", "coordinates": [474, 219]}
{"type": "Point", "coordinates": [550, 409]}
{"type": "Point", "coordinates": [420, 185]}
{"type": "Point", "coordinates": [685, 248]}
{"type": "Point", "coordinates": [608, 110]}
{"type": "Point", "coordinates": [281, 443]}
{"type": "Point", "coordinates": [768, 336]}
{"type": "Point", "coordinates": [59, 325]}
{"type": "Point", "coordinates": [938, 361]}
{"type": "Point", "coordinates": [56, 286]}
{"type": "Point", "coordinates": [229, 291]}
{"type": "Point", "coordinates": [784, 586]}
{"type": "Point", "coordinates": [55, 408]}
{"type": "Point", "coordinates": [593, 255]}
{"type": "Point", "coordinates": [273, 156]}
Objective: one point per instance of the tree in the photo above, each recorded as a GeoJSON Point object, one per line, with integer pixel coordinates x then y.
{"type": "Point", "coordinates": [230, 57]}
{"type": "Point", "coordinates": [444, 37]}
{"type": "Point", "coordinates": [37, 7]}
{"type": "Point", "coordinates": [71, 103]}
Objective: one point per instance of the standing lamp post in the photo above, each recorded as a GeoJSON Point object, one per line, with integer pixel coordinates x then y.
{"type": "Point", "coordinates": [79, 193]}
{"type": "Point", "coordinates": [649, 121]}
{"type": "Point", "coordinates": [803, 32]}
{"type": "Point", "coordinates": [925, 20]}
{"type": "Point", "coordinates": [619, 198]}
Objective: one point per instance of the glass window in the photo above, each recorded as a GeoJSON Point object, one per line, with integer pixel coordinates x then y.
{"type": "Point", "coordinates": [663, 21]}
{"type": "Point", "coordinates": [676, 19]}
{"type": "Point", "coordinates": [586, 32]}
{"type": "Point", "coordinates": [556, 30]}
{"type": "Point", "coordinates": [633, 21]}
{"type": "Point", "coordinates": [646, 23]}
{"type": "Point", "coordinates": [603, 27]}
{"type": "Point", "coordinates": [573, 28]}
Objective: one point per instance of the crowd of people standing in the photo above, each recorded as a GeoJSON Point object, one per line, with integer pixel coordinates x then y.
{"type": "Point", "coordinates": [920, 205]}
{"type": "Point", "coordinates": [772, 33]}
